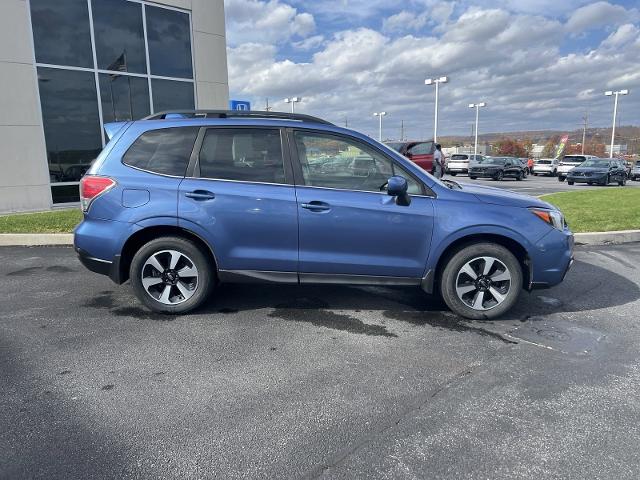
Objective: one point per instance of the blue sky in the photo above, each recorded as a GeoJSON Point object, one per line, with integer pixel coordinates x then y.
{"type": "Point", "coordinates": [538, 64]}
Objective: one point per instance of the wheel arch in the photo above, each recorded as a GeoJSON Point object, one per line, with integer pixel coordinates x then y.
{"type": "Point", "coordinates": [145, 235]}
{"type": "Point", "coordinates": [514, 246]}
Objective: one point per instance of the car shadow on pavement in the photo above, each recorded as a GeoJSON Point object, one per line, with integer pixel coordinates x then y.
{"type": "Point", "coordinates": [363, 310]}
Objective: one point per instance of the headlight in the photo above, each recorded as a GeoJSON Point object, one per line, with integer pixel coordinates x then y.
{"type": "Point", "coordinates": [555, 218]}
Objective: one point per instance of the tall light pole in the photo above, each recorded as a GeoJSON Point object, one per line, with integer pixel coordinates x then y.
{"type": "Point", "coordinates": [615, 114]}
{"type": "Point", "coordinates": [293, 101]}
{"type": "Point", "coordinates": [477, 106]}
{"type": "Point", "coordinates": [436, 82]}
{"type": "Point", "coordinates": [380, 115]}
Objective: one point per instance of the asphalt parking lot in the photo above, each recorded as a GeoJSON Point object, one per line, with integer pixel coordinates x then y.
{"type": "Point", "coordinates": [535, 185]}
{"type": "Point", "coordinates": [317, 382]}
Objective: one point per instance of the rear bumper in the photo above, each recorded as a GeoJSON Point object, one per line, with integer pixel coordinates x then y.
{"type": "Point", "coordinates": [97, 265]}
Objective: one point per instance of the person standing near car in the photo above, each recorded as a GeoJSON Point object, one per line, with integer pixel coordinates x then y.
{"type": "Point", "coordinates": [438, 161]}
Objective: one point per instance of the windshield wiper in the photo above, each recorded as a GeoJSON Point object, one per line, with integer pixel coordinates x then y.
{"type": "Point", "coordinates": [451, 184]}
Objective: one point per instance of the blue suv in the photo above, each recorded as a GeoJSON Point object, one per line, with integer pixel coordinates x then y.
{"type": "Point", "coordinates": [180, 202]}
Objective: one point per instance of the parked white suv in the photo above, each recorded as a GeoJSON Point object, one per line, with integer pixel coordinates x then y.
{"type": "Point", "coordinates": [459, 162]}
{"type": "Point", "coordinates": [569, 162]}
{"type": "Point", "coordinates": [546, 166]}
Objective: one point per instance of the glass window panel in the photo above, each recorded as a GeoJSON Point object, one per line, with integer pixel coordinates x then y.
{"type": "Point", "coordinates": [71, 123]}
{"type": "Point", "coordinates": [65, 193]}
{"type": "Point", "coordinates": [165, 151]}
{"type": "Point", "coordinates": [250, 155]}
{"type": "Point", "coordinates": [123, 97]}
{"type": "Point", "coordinates": [169, 39]}
{"type": "Point", "coordinates": [172, 95]}
{"type": "Point", "coordinates": [119, 36]}
{"type": "Point", "coordinates": [336, 162]}
{"type": "Point", "coordinates": [61, 33]}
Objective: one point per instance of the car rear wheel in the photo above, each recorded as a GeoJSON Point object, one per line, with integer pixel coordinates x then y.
{"type": "Point", "coordinates": [569, 182]}
{"type": "Point", "coordinates": [561, 179]}
{"type": "Point", "coordinates": [622, 182]}
{"type": "Point", "coordinates": [499, 176]}
{"type": "Point", "coordinates": [472, 177]}
{"type": "Point", "coordinates": [481, 281]}
{"type": "Point", "coordinates": [171, 275]}
{"type": "Point", "coordinates": [453, 174]}
{"type": "Point", "coordinates": [519, 176]}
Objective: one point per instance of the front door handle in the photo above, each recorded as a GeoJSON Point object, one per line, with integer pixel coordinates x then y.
{"type": "Point", "coordinates": [316, 206]}
{"type": "Point", "coordinates": [200, 195]}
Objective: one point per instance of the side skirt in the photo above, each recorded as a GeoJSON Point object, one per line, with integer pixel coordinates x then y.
{"type": "Point", "coordinates": [258, 276]}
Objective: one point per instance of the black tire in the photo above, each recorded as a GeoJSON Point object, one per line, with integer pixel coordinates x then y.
{"type": "Point", "coordinates": [569, 182]}
{"type": "Point", "coordinates": [452, 270]}
{"type": "Point", "coordinates": [519, 176]}
{"type": "Point", "coordinates": [204, 281]}
{"type": "Point", "coordinates": [561, 178]}
{"type": "Point", "coordinates": [606, 181]}
{"type": "Point", "coordinates": [535, 174]}
{"type": "Point", "coordinates": [589, 183]}
{"type": "Point", "coordinates": [453, 174]}
{"type": "Point", "coordinates": [499, 176]}
{"type": "Point", "coordinates": [472, 177]}
{"type": "Point", "coordinates": [623, 182]}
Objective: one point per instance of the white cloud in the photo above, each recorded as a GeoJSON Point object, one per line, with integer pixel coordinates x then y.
{"type": "Point", "coordinates": [512, 61]}
{"type": "Point", "coordinates": [599, 14]}
{"type": "Point", "coordinates": [623, 35]}
{"type": "Point", "coordinates": [310, 43]}
{"type": "Point", "coordinates": [405, 21]}
{"type": "Point", "coordinates": [265, 21]}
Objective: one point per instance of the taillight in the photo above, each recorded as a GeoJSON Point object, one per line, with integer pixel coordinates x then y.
{"type": "Point", "coordinates": [91, 187]}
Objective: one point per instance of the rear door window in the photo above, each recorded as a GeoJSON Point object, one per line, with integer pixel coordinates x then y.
{"type": "Point", "coordinates": [165, 151]}
{"type": "Point", "coordinates": [242, 154]}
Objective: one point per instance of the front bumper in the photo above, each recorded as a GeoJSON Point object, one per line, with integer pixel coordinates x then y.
{"type": "Point", "coordinates": [587, 179]}
{"type": "Point", "coordinates": [552, 258]}
{"type": "Point", "coordinates": [483, 173]}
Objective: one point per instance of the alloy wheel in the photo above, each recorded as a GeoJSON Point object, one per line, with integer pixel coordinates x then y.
{"type": "Point", "coordinates": [170, 277]}
{"type": "Point", "coordinates": [483, 283]}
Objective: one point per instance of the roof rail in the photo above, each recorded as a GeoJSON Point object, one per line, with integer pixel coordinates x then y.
{"type": "Point", "coordinates": [174, 114]}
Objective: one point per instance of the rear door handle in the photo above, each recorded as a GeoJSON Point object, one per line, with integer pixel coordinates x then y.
{"type": "Point", "coordinates": [200, 195]}
{"type": "Point", "coordinates": [316, 206]}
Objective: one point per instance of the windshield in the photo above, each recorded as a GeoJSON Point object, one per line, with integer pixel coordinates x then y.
{"type": "Point", "coordinates": [574, 159]}
{"type": "Point", "coordinates": [543, 162]}
{"type": "Point", "coordinates": [493, 161]}
{"type": "Point", "coordinates": [596, 163]}
{"type": "Point", "coordinates": [458, 156]}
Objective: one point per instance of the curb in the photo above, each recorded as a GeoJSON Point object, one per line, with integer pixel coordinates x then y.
{"type": "Point", "coordinates": [35, 239]}
{"type": "Point", "coordinates": [62, 239]}
{"type": "Point", "coordinates": [607, 238]}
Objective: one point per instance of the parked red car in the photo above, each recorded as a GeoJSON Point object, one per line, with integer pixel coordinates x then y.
{"type": "Point", "coordinates": [420, 153]}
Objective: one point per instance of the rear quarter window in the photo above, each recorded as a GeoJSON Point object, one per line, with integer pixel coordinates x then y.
{"type": "Point", "coordinates": [165, 151]}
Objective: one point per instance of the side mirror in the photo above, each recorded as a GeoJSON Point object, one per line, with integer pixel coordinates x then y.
{"type": "Point", "coordinates": [397, 187]}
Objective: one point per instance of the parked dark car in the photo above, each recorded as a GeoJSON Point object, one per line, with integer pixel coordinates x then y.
{"type": "Point", "coordinates": [420, 153]}
{"type": "Point", "coordinates": [599, 171]}
{"type": "Point", "coordinates": [497, 168]}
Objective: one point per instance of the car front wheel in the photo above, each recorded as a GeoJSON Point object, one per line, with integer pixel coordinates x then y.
{"type": "Point", "coordinates": [171, 275]}
{"type": "Point", "coordinates": [481, 281]}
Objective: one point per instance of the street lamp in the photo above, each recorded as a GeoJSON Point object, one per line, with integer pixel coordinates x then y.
{"type": "Point", "coordinates": [436, 82]}
{"type": "Point", "coordinates": [609, 93]}
{"type": "Point", "coordinates": [293, 101]}
{"type": "Point", "coordinates": [477, 106]}
{"type": "Point", "coordinates": [380, 115]}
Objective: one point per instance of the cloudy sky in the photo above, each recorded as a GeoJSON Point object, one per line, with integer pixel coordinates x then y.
{"type": "Point", "coordinates": [539, 64]}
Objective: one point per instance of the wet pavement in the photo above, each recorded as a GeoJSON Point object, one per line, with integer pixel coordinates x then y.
{"type": "Point", "coordinates": [317, 381]}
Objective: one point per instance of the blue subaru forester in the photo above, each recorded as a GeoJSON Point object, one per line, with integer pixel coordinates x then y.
{"type": "Point", "coordinates": [179, 202]}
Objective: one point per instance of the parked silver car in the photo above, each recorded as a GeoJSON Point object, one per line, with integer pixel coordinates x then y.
{"type": "Point", "coordinates": [459, 162]}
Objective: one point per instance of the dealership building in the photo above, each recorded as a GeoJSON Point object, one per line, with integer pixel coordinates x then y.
{"type": "Point", "coordinates": [67, 67]}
